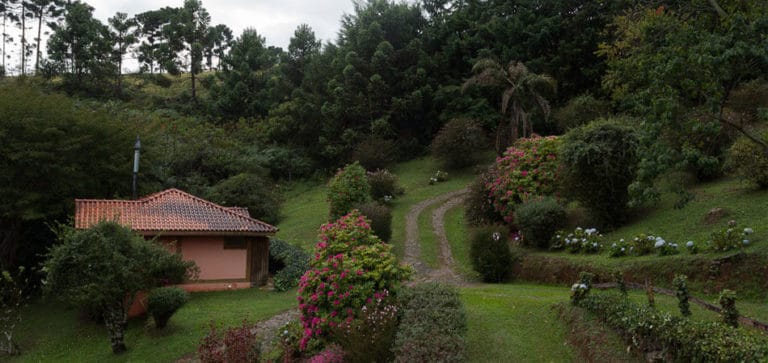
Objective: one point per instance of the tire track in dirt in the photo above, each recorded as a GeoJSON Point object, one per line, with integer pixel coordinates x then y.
{"type": "Point", "coordinates": [444, 273]}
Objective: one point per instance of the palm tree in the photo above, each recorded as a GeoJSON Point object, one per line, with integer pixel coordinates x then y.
{"type": "Point", "coordinates": [523, 92]}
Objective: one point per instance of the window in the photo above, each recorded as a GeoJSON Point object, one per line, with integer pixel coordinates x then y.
{"type": "Point", "coordinates": [234, 243]}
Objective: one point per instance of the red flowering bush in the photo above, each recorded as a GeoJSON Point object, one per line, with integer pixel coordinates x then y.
{"type": "Point", "coordinates": [351, 267]}
{"type": "Point", "coordinates": [236, 344]}
{"type": "Point", "coordinates": [528, 168]}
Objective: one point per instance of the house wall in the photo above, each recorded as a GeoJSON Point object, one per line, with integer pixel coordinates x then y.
{"type": "Point", "coordinates": [214, 261]}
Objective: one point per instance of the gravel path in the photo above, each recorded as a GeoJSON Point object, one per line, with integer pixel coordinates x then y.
{"type": "Point", "coordinates": [445, 272]}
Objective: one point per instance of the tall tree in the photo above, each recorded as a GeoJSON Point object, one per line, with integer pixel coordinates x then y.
{"type": "Point", "coordinates": [155, 42]}
{"type": "Point", "coordinates": [8, 13]}
{"type": "Point", "coordinates": [46, 12]}
{"type": "Point", "coordinates": [193, 24]}
{"type": "Point", "coordinates": [123, 30]}
{"type": "Point", "coordinates": [217, 41]}
{"type": "Point", "coordinates": [82, 47]}
{"type": "Point", "coordinates": [25, 12]}
{"type": "Point", "coordinates": [523, 92]}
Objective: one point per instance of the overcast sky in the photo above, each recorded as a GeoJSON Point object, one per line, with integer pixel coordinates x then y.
{"type": "Point", "coordinates": [274, 19]}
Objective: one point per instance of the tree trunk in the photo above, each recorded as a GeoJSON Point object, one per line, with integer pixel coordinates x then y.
{"type": "Point", "coordinates": [23, 38]}
{"type": "Point", "coordinates": [4, 39]}
{"type": "Point", "coordinates": [39, 34]}
{"type": "Point", "coordinates": [194, 95]}
{"type": "Point", "coordinates": [116, 319]}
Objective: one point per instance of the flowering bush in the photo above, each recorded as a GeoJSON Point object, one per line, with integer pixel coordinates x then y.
{"type": "Point", "coordinates": [527, 168]}
{"type": "Point", "coordinates": [664, 248]}
{"type": "Point", "coordinates": [348, 188]}
{"type": "Point", "coordinates": [581, 240]}
{"type": "Point", "coordinates": [619, 249]}
{"type": "Point", "coordinates": [692, 247]}
{"type": "Point", "coordinates": [384, 186]}
{"type": "Point", "coordinates": [642, 244]}
{"type": "Point", "coordinates": [369, 338]}
{"type": "Point", "coordinates": [237, 344]}
{"type": "Point", "coordinates": [439, 177]}
{"type": "Point", "coordinates": [331, 354]}
{"type": "Point", "coordinates": [581, 289]}
{"type": "Point", "coordinates": [730, 238]}
{"type": "Point", "coordinates": [350, 268]}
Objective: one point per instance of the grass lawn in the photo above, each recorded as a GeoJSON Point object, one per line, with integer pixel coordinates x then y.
{"type": "Point", "coordinates": [458, 237]}
{"type": "Point", "coordinates": [515, 323]}
{"type": "Point", "coordinates": [305, 210]}
{"type": "Point", "coordinates": [50, 333]}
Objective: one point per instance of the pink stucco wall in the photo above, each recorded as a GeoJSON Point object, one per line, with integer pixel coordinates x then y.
{"type": "Point", "coordinates": [214, 261]}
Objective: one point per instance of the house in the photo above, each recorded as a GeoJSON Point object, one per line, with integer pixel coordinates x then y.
{"type": "Point", "coordinates": [230, 248]}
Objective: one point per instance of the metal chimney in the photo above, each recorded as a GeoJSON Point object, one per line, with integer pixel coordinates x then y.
{"type": "Point", "coordinates": [136, 152]}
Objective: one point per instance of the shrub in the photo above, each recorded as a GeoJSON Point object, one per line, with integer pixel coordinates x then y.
{"type": "Point", "coordinates": [331, 354]}
{"type": "Point", "coordinates": [458, 143]}
{"type": "Point", "coordinates": [729, 313]}
{"type": "Point", "coordinates": [478, 205]}
{"type": "Point", "coordinates": [526, 169]}
{"type": "Point", "coordinates": [236, 344]}
{"type": "Point", "coordinates": [581, 289]}
{"type": "Point", "coordinates": [348, 188]}
{"type": "Point", "coordinates": [729, 238]}
{"type": "Point", "coordinates": [380, 217]}
{"type": "Point", "coordinates": [350, 268]}
{"type": "Point", "coordinates": [163, 302]}
{"type": "Point", "coordinates": [104, 267]}
{"type": "Point", "coordinates": [384, 186]}
{"type": "Point", "coordinates": [490, 254]}
{"type": "Point", "coordinates": [581, 240]}
{"type": "Point", "coordinates": [682, 294]}
{"type": "Point", "coordinates": [538, 219]}
{"type": "Point", "coordinates": [12, 300]}
{"type": "Point", "coordinates": [375, 153]}
{"type": "Point", "coordinates": [749, 161]}
{"type": "Point", "coordinates": [292, 261]}
{"type": "Point", "coordinates": [370, 338]}
{"type": "Point", "coordinates": [579, 111]}
{"type": "Point", "coordinates": [648, 329]}
{"type": "Point", "coordinates": [599, 162]}
{"type": "Point", "coordinates": [433, 324]}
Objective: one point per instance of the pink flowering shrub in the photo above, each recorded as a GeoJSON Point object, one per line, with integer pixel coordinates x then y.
{"type": "Point", "coordinates": [528, 168]}
{"type": "Point", "coordinates": [331, 354]}
{"type": "Point", "coordinates": [351, 267]}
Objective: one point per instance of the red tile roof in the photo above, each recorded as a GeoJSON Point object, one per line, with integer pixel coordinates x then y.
{"type": "Point", "coordinates": [168, 211]}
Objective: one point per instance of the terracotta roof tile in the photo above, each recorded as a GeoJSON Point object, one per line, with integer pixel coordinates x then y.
{"type": "Point", "coordinates": [169, 210]}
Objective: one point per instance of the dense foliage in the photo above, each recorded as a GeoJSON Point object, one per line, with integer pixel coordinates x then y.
{"type": "Point", "coordinates": [528, 168]}
{"type": "Point", "coordinates": [163, 302]}
{"type": "Point", "coordinates": [104, 267]}
{"type": "Point", "coordinates": [478, 205]}
{"type": "Point", "coordinates": [647, 329]}
{"type": "Point", "coordinates": [599, 162]}
{"type": "Point", "coordinates": [346, 190]}
{"type": "Point", "coordinates": [490, 254]}
{"type": "Point", "coordinates": [538, 219]}
{"type": "Point", "coordinates": [433, 325]}
{"type": "Point", "coordinates": [749, 161]}
{"type": "Point", "coordinates": [287, 262]}
{"type": "Point", "coordinates": [13, 298]}
{"type": "Point", "coordinates": [235, 344]}
{"type": "Point", "coordinates": [458, 143]}
{"type": "Point", "coordinates": [351, 267]}
{"type": "Point", "coordinates": [384, 186]}
{"type": "Point", "coordinates": [380, 216]}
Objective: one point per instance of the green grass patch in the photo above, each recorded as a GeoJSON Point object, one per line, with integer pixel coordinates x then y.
{"type": "Point", "coordinates": [458, 237]}
{"type": "Point", "coordinates": [515, 323]}
{"type": "Point", "coordinates": [305, 210]}
{"type": "Point", "coordinates": [430, 247]}
{"type": "Point", "coordinates": [51, 333]}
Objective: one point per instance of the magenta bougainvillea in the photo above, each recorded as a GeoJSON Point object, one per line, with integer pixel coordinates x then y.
{"type": "Point", "coordinates": [350, 268]}
{"type": "Point", "coordinates": [528, 168]}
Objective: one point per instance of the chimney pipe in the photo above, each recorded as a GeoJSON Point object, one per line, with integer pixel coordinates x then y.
{"type": "Point", "coordinates": [136, 152]}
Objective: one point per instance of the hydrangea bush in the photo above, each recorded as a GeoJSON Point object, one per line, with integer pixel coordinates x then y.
{"type": "Point", "coordinates": [580, 241]}
{"type": "Point", "coordinates": [730, 238]}
{"type": "Point", "coordinates": [350, 268]}
{"type": "Point", "coordinates": [526, 169]}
